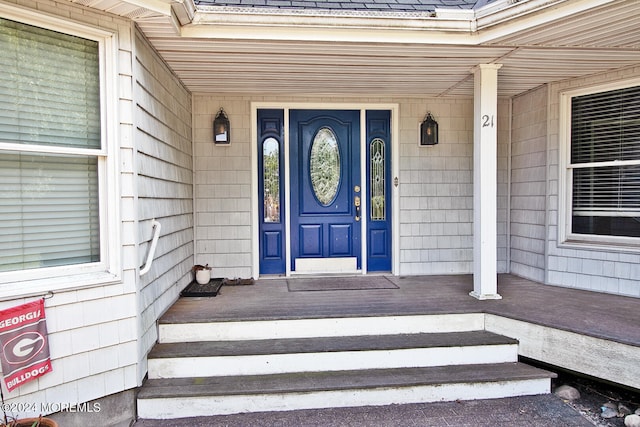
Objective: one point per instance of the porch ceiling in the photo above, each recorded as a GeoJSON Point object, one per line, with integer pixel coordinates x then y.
{"type": "Point", "coordinates": [221, 53]}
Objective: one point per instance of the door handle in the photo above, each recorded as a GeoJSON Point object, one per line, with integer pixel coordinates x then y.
{"type": "Point", "coordinates": [356, 202]}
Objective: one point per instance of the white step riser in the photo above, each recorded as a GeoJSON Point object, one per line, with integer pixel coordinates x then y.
{"type": "Point", "coordinates": [326, 327]}
{"type": "Point", "coordinates": [223, 405]}
{"type": "Point", "coordinates": [185, 367]}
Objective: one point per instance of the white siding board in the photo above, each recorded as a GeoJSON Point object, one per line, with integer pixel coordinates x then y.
{"type": "Point", "coordinates": [84, 324]}
{"type": "Point", "coordinates": [178, 258]}
{"type": "Point", "coordinates": [161, 132]}
{"type": "Point", "coordinates": [223, 188]}
{"type": "Point", "coordinates": [436, 194]}
{"type": "Point", "coordinates": [164, 189]}
{"type": "Point", "coordinates": [152, 167]}
{"type": "Point", "coordinates": [575, 266]}
{"type": "Point", "coordinates": [156, 148]}
{"type": "Point", "coordinates": [159, 208]}
{"type": "Point", "coordinates": [528, 184]}
{"type": "Point", "coordinates": [163, 99]}
{"type": "Point", "coordinates": [439, 195]}
{"type": "Point", "coordinates": [168, 91]}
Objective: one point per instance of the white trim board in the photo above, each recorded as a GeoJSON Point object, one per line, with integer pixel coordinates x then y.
{"type": "Point", "coordinates": [395, 170]}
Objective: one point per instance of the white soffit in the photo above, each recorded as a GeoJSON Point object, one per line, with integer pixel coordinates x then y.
{"type": "Point", "coordinates": [609, 25]}
{"type": "Point", "coordinates": [133, 9]}
{"type": "Point", "coordinates": [317, 53]}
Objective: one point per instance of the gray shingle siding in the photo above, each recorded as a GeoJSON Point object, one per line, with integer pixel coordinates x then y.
{"type": "Point", "coordinates": [377, 5]}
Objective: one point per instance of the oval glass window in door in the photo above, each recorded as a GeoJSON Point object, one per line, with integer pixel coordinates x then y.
{"type": "Point", "coordinates": [324, 166]}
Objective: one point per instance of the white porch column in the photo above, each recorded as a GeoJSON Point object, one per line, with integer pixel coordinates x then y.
{"type": "Point", "coordinates": [485, 181]}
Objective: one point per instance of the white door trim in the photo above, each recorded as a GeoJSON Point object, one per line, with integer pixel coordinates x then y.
{"type": "Point", "coordinates": [395, 197]}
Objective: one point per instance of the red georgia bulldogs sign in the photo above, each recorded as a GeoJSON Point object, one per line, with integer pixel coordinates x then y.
{"type": "Point", "coordinates": [24, 345]}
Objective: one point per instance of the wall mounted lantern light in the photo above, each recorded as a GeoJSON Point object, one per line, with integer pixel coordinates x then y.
{"type": "Point", "coordinates": [429, 131]}
{"type": "Point", "coordinates": [221, 128]}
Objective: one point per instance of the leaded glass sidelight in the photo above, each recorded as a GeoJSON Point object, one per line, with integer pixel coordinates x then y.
{"type": "Point", "coordinates": [324, 166]}
{"type": "Point", "coordinates": [271, 179]}
{"type": "Point", "coordinates": [377, 184]}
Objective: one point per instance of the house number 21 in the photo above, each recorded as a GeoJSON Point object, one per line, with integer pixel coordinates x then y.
{"type": "Point", "coordinates": [487, 121]}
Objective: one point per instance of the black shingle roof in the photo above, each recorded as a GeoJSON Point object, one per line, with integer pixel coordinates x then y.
{"type": "Point", "coordinates": [362, 5]}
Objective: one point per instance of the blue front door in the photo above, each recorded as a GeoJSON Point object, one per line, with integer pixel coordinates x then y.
{"type": "Point", "coordinates": [325, 191]}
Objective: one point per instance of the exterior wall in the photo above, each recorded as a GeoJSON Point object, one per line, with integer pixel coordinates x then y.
{"type": "Point", "coordinates": [436, 189]}
{"type": "Point", "coordinates": [605, 270]}
{"type": "Point", "coordinates": [93, 330]}
{"type": "Point", "coordinates": [99, 336]}
{"type": "Point", "coordinates": [223, 187]}
{"type": "Point", "coordinates": [163, 189]}
{"type": "Point", "coordinates": [528, 184]}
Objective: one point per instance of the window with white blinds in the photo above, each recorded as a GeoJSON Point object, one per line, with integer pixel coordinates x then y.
{"type": "Point", "coordinates": [605, 163]}
{"type": "Point", "coordinates": [50, 132]}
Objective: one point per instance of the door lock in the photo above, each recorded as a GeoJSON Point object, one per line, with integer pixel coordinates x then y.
{"type": "Point", "coordinates": [356, 202]}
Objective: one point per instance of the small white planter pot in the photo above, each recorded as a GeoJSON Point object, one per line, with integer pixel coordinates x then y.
{"type": "Point", "coordinates": [203, 276]}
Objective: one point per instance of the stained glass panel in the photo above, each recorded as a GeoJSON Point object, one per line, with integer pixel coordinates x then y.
{"type": "Point", "coordinates": [378, 160]}
{"type": "Point", "coordinates": [271, 179]}
{"type": "Point", "coordinates": [324, 166]}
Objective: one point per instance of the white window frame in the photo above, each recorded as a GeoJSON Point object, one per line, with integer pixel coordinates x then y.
{"type": "Point", "coordinates": [565, 236]}
{"type": "Point", "coordinates": [40, 281]}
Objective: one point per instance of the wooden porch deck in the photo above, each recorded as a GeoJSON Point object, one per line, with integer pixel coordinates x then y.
{"type": "Point", "coordinates": [608, 317]}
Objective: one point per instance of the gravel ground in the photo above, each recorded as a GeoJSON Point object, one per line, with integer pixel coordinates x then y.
{"type": "Point", "coordinates": [594, 395]}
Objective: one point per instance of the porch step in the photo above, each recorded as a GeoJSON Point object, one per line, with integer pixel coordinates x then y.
{"type": "Point", "coordinates": [169, 332]}
{"type": "Point", "coordinates": [206, 396]}
{"type": "Point", "coordinates": [275, 356]}
{"type": "Point", "coordinates": [217, 368]}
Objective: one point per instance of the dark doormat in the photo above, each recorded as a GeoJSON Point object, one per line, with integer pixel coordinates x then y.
{"type": "Point", "coordinates": [237, 282]}
{"type": "Point", "coordinates": [194, 289]}
{"type": "Point", "coordinates": [339, 283]}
